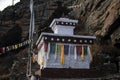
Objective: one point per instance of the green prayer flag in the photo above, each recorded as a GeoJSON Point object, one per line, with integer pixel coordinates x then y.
{"type": "Point", "coordinates": [52, 48]}
{"type": "Point", "coordinates": [85, 50]}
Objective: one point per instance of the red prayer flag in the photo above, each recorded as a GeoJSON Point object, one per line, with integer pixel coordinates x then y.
{"type": "Point", "coordinates": [79, 50]}
{"type": "Point", "coordinates": [2, 50]}
{"type": "Point", "coordinates": [46, 46]}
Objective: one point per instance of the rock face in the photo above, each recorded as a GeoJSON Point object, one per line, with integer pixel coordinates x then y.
{"type": "Point", "coordinates": [45, 11]}
{"type": "Point", "coordinates": [100, 17]}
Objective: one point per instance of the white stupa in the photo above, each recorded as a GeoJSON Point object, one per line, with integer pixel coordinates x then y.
{"type": "Point", "coordinates": [63, 49]}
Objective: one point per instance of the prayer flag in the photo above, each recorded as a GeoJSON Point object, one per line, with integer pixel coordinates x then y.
{"type": "Point", "coordinates": [58, 51]}
{"type": "Point", "coordinates": [2, 50]}
{"type": "Point", "coordinates": [21, 44]}
{"type": "Point", "coordinates": [41, 59]}
{"type": "Point", "coordinates": [13, 47]}
{"type": "Point", "coordinates": [48, 51]}
{"type": "Point", "coordinates": [62, 54]}
{"type": "Point", "coordinates": [85, 50]}
{"type": "Point", "coordinates": [66, 49]}
{"type": "Point", "coordinates": [52, 48]}
{"type": "Point", "coordinates": [90, 52]}
{"type": "Point", "coordinates": [82, 55]}
{"type": "Point", "coordinates": [75, 53]}
{"type": "Point", "coordinates": [79, 50]}
{"type": "Point", "coordinates": [6, 49]}
{"type": "Point", "coordinates": [16, 46]}
{"type": "Point", "coordinates": [72, 49]}
{"type": "Point", "coordinates": [46, 46]}
{"type": "Point", "coordinates": [9, 48]}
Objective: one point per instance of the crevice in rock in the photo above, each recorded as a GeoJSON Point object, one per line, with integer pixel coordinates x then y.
{"type": "Point", "coordinates": [113, 27]}
{"type": "Point", "coordinates": [99, 3]}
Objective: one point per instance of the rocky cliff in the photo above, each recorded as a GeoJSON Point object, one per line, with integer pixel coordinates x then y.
{"type": "Point", "coordinates": [45, 11]}
{"type": "Point", "coordinates": [100, 18]}
{"type": "Point", "coordinates": [96, 17]}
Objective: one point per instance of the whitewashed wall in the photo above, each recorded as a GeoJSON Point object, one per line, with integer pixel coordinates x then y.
{"type": "Point", "coordinates": [70, 62]}
{"type": "Point", "coordinates": [66, 30]}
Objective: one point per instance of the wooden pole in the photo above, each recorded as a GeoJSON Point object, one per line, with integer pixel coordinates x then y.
{"type": "Point", "coordinates": [12, 2]}
{"type": "Point", "coordinates": [31, 32]}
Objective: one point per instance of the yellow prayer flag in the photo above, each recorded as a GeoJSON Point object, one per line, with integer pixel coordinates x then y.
{"type": "Point", "coordinates": [16, 46]}
{"type": "Point", "coordinates": [82, 55]}
{"type": "Point", "coordinates": [62, 55]}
